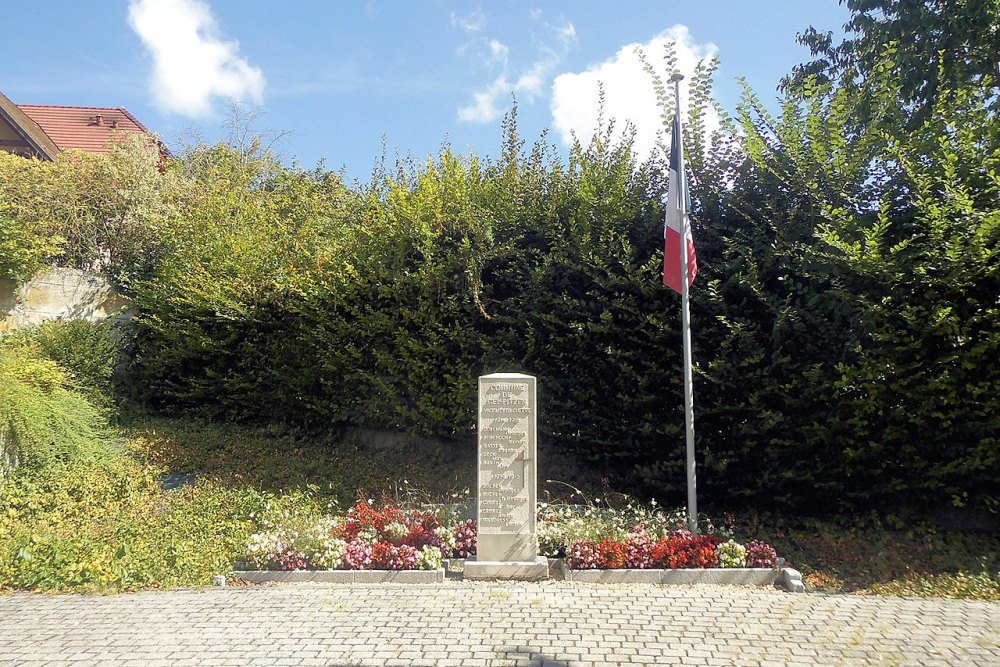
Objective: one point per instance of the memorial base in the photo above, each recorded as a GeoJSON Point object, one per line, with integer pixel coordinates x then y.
{"type": "Point", "coordinates": [531, 570]}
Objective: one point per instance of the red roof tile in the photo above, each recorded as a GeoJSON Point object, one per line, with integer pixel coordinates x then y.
{"type": "Point", "coordinates": [85, 128]}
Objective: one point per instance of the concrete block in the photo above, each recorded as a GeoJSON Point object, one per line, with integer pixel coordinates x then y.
{"type": "Point", "coordinates": [737, 576]}
{"type": "Point", "coordinates": [792, 580]}
{"type": "Point", "coordinates": [535, 570]}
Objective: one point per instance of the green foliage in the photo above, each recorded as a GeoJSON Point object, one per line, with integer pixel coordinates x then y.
{"type": "Point", "coordinates": [88, 351]}
{"type": "Point", "coordinates": [870, 557]}
{"type": "Point", "coordinates": [931, 46]}
{"type": "Point", "coordinates": [43, 421]}
{"type": "Point", "coordinates": [844, 319]}
{"type": "Point", "coordinates": [112, 526]}
{"type": "Point", "coordinates": [826, 247]}
{"type": "Point", "coordinates": [281, 459]}
{"type": "Point", "coordinates": [96, 211]}
{"type": "Point", "coordinates": [23, 247]}
{"type": "Point", "coordinates": [961, 585]}
{"type": "Point", "coordinates": [858, 286]}
{"type": "Point", "coordinates": [924, 394]}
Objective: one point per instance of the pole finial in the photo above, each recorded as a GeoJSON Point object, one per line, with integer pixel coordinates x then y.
{"type": "Point", "coordinates": [676, 76]}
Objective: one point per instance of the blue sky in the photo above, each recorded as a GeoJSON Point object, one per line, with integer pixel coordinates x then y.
{"type": "Point", "coordinates": [338, 77]}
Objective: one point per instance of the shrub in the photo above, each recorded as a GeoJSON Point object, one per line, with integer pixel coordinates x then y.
{"type": "Point", "coordinates": [113, 526]}
{"type": "Point", "coordinates": [88, 351]}
{"type": "Point", "coordinates": [43, 421]}
{"type": "Point", "coordinates": [23, 247]}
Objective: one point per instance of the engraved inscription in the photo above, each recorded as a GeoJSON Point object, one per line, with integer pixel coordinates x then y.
{"type": "Point", "coordinates": [505, 423]}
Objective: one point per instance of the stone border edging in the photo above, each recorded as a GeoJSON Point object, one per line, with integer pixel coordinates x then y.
{"type": "Point", "coordinates": [343, 576]}
{"type": "Point", "coordinates": [787, 578]}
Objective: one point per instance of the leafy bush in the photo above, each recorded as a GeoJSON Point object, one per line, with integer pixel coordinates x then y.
{"type": "Point", "coordinates": [113, 526]}
{"type": "Point", "coordinates": [89, 352]}
{"type": "Point", "coordinates": [23, 247]}
{"type": "Point", "coordinates": [93, 211]}
{"type": "Point", "coordinates": [43, 421]}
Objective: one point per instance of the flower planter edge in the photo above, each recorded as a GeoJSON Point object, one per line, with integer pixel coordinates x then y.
{"type": "Point", "coordinates": [342, 576]}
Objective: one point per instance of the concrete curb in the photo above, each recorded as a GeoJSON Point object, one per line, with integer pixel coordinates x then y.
{"type": "Point", "coordinates": [683, 577]}
{"type": "Point", "coordinates": [787, 578]}
{"type": "Point", "coordinates": [343, 576]}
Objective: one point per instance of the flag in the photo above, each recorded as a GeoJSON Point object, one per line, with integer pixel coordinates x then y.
{"type": "Point", "coordinates": [678, 205]}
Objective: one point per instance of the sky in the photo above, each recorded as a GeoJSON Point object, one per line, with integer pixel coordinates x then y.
{"type": "Point", "coordinates": [343, 81]}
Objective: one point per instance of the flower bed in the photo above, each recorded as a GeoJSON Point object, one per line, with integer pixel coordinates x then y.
{"type": "Point", "coordinates": [594, 544]}
{"type": "Point", "coordinates": [367, 538]}
{"type": "Point", "coordinates": [680, 549]}
{"type": "Point", "coordinates": [600, 537]}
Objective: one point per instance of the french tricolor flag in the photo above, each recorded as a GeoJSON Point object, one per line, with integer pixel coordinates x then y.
{"type": "Point", "coordinates": [678, 205]}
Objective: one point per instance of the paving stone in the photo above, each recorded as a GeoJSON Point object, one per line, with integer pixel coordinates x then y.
{"type": "Point", "coordinates": [494, 625]}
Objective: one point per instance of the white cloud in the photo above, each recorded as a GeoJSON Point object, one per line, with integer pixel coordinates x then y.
{"type": "Point", "coordinates": [192, 64]}
{"type": "Point", "coordinates": [499, 52]}
{"type": "Point", "coordinates": [474, 21]}
{"type": "Point", "coordinates": [489, 103]}
{"type": "Point", "coordinates": [628, 91]}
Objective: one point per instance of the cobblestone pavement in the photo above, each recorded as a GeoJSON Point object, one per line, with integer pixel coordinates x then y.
{"type": "Point", "coordinates": [555, 624]}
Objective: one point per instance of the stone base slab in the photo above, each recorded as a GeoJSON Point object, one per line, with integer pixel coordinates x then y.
{"type": "Point", "coordinates": [531, 570]}
{"type": "Point", "coordinates": [344, 576]}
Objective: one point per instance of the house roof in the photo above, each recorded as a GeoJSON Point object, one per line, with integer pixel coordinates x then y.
{"type": "Point", "coordinates": [34, 137]}
{"type": "Point", "coordinates": [89, 129]}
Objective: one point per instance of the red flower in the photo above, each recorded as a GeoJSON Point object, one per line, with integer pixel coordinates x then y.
{"type": "Point", "coordinates": [363, 516]}
{"type": "Point", "coordinates": [611, 554]}
{"type": "Point", "coordinates": [685, 550]}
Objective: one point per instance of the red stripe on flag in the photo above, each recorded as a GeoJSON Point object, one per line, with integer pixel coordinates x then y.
{"type": "Point", "coordinates": [672, 260]}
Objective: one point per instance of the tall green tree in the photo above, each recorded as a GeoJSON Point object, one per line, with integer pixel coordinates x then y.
{"type": "Point", "coordinates": [933, 46]}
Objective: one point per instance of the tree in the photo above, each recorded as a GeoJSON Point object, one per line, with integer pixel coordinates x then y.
{"type": "Point", "coordinates": [932, 45]}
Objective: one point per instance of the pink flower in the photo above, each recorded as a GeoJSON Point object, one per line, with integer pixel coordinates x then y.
{"type": "Point", "coordinates": [761, 554]}
{"type": "Point", "coordinates": [465, 539]}
{"type": "Point", "coordinates": [582, 555]}
{"type": "Point", "coordinates": [286, 559]}
{"type": "Point", "coordinates": [358, 555]}
{"type": "Point", "coordinates": [638, 551]}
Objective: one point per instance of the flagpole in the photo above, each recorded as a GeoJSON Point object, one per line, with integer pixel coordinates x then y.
{"type": "Point", "coordinates": [692, 483]}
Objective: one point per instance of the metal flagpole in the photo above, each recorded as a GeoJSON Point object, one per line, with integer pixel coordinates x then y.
{"type": "Point", "coordinates": [692, 483]}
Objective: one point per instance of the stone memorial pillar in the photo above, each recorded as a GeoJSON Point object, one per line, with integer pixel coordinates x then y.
{"type": "Point", "coordinates": [507, 547]}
